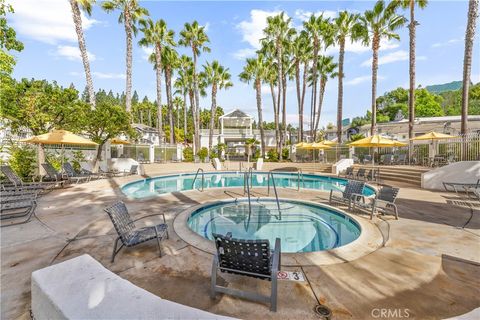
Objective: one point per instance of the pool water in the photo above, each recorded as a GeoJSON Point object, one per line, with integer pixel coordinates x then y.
{"type": "Point", "coordinates": [182, 182]}
{"type": "Point", "coordinates": [301, 227]}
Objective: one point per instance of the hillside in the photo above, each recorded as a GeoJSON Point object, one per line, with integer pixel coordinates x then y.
{"type": "Point", "coordinates": [439, 88]}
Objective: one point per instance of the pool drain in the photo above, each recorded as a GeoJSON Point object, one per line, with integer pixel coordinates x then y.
{"type": "Point", "coordinates": [323, 311]}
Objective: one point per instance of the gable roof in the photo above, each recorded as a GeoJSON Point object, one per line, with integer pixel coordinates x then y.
{"type": "Point", "coordinates": [237, 113]}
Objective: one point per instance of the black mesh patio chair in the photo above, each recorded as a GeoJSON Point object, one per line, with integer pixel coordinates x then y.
{"type": "Point", "coordinates": [52, 174]}
{"type": "Point", "coordinates": [383, 203]}
{"type": "Point", "coordinates": [17, 207]}
{"type": "Point", "coordinates": [388, 159]}
{"type": "Point", "coordinates": [133, 170]}
{"type": "Point", "coordinates": [251, 258]}
{"type": "Point", "coordinates": [128, 234]}
{"type": "Point", "coordinates": [360, 174]}
{"type": "Point", "coordinates": [72, 175]}
{"type": "Point", "coordinates": [459, 186]}
{"type": "Point", "coordinates": [402, 159]}
{"type": "Point", "coordinates": [352, 190]}
{"type": "Point", "coordinates": [372, 175]}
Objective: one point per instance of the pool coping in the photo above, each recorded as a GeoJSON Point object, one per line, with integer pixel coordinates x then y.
{"type": "Point", "coordinates": [370, 238]}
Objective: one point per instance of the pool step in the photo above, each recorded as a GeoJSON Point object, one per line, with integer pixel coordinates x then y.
{"type": "Point", "coordinates": [404, 175]}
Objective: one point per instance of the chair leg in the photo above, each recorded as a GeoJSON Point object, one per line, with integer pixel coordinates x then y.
{"type": "Point", "coordinates": [273, 296]}
{"type": "Point", "coordinates": [115, 251]}
{"type": "Point", "coordinates": [396, 211]}
{"type": "Point", "coordinates": [213, 278]}
{"type": "Point", "coordinates": [159, 250]}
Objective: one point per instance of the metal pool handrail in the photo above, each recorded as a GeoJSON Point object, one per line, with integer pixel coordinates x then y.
{"type": "Point", "coordinates": [270, 174]}
{"type": "Point", "coordinates": [203, 178]}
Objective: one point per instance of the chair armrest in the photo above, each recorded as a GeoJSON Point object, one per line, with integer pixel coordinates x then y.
{"type": "Point", "coordinates": [355, 196]}
{"type": "Point", "coordinates": [276, 256]}
{"type": "Point", "coordinates": [375, 201]}
{"type": "Point", "coordinates": [151, 215]}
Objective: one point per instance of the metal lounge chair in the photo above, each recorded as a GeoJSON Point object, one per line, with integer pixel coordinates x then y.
{"type": "Point", "coordinates": [360, 174]}
{"type": "Point", "coordinates": [384, 202]}
{"type": "Point", "coordinates": [251, 258]}
{"type": "Point", "coordinates": [17, 204]}
{"type": "Point", "coordinates": [456, 186]}
{"type": "Point", "coordinates": [402, 159]}
{"type": "Point", "coordinates": [388, 159]}
{"type": "Point", "coordinates": [128, 234]}
{"type": "Point", "coordinates": [18, 184]}
{"type": "Point", "coordinates": [372, 175]}
{"type": "Point", "coordinates": [133, 170]}
{"type": "Point", "coordinates": [72, 175]}
{"type": "Point", "coordinates": [53, 174]}
{"type": "Point", "coordinates": [351, 192]}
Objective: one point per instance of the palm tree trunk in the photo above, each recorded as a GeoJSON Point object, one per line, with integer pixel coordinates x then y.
{"type": "Point", "coordinates": [284, 110]}
{"type": "Point", "coordinates": [341, 58]}
{"type": "Point", "coordinates": [77, 20]}
{"type": "Point", "coordinates": [194, 116]}
{"type": "Point", "coordinates": [258, 87]}
{"type": "Point", "coordinates": [213, 112]}
{"type": "Point", "coordinates": [299, 99]}
{"type": "Point", "coordinates": [411, 96]}
{"type": "Point", "coordinates": [275, 115]}
{"type": "Point", "coordinates": [197, 98]}
{"type": "Point", "coordinates": [168, 86]}
{"type": "Point", "coordinates": [129, 34]}
{"type": "Point", "coordinates": [158, 72]}
{"type": "Point", "coordinates": [185, 115]}
{"type": "Point", "coordinates": [375, 47]}
{"type": "Point", "coordinates": [280, 87]}
{"type": "Point", "coordinates": [323, 83]}
{"type": "Point", "coordinates": [302, 103]}
{"type": "Point", "coordinates": [314, 88]}
{"type": "Point", "coordinates": [467, 60]}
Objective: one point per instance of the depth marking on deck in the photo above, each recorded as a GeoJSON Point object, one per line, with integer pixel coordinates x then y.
{"type": "Point", "coordinates": [290, 275]}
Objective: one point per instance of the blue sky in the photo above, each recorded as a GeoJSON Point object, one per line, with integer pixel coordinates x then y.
{"type": "Point", "coordinates": [234, 27]}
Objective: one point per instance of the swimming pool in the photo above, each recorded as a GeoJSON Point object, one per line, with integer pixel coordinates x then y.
{"type": "Point", "coordinates": [182, 182]}
{"type": "Point", "coordinates": [301, 226]}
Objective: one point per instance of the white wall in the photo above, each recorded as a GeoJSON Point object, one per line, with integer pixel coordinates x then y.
{"type": "Point", "coordinates": [461, 172]}
{"type": "Point", "coordinates": [341, 165]}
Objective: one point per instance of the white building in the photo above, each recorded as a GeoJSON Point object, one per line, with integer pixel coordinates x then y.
{"type": "Point", "coordinates": [235, 127]}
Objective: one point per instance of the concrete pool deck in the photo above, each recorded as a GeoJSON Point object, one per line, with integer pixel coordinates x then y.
{"type": "Point", "coordinates": [429, 264]}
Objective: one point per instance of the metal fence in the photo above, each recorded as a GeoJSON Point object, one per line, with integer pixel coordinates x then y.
{"type": "Point", "coordinates": [165, 153]}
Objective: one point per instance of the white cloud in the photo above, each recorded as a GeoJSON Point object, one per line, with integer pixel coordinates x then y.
{"type": "Point", "coordinates": [358, 47]}
{"type": "Point", "coordinates": [147, 51]}
{"type": "Point", "coordinates": [72, 53]}
{"type": "Point", "coordinates": [252, 30]}
{"type": "Point", "coordinates": [303, 15]}
{"type": "Point", "coordinates": [206, 27]}
{"type": "Point", "coordinates": [399, 55]}
{"type": "Point", "coordinates": [48, 21]}
{"type": "Point", "coordinates": [446, 43]}
{"type": "Point", "coordinates": [102, 75]}
{"type": "Point", "coordinates": [361, 79]}
{"type": "Point", "coordinates": [242, 54]}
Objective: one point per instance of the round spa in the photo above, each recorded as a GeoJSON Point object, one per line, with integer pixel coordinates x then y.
{"type": "Point", "coordinates": [301, 226]}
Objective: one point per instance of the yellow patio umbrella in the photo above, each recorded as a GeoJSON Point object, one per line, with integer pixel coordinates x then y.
{"type": "Point", "coordinates": [320, 146]}
{"type": "Point", "coordinates": [119, 141]}
{"type": "Point", "coordinates": [62, 137]}
{"type": "Point", "coordinates": [377, 141]}
{"type": "Point", "coordinates": [303, 145]}
{"type": "Point", "coordinates": [329, 143]}
{"type": "Point", "coordinates": [432, 135]}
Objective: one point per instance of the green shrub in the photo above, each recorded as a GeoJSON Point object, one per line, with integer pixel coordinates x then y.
{"type": "Point", "coordinates": [272, 155]}
{"type": "Point", "coordinates": [285, 153]}
{"type": "Point", "coordinates": [256, 154]}
{"type": "Point", "coordinates": [188, 154]}
{"type": "Point", "coordinates": [55, 160]}
{"type": "Point", "coordinates": [23, 160]}
{"type": "Point", "coordinates": [78, 157]}
{"type": "Point", "coordinates": [202, 153]}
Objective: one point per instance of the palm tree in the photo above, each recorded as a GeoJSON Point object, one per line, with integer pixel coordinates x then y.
{"type": "Point", "coordinates": [219, 78]}
{"type": "Point", "coordinates": [467, 60]}
{"type": "Point", "coordinates": [194, 36]}
{"type": "Point", "coordinates": [182, 84]}
{"type": "Point", "coordinates": [320, 32]}
{"type": "Point", "coordinates": [375, 25]}
{"type": "Point", "coordinates": [344, 26]}
{"type": "Point", "coordinates": [277, 35]}
{"type": "Point", "coordinates": [131, 12]}
{"type": "Point", "coordinates": [86, 6]}
{"type": "Point", "coordinates": [302, 53]}
{"type": "Point", "coordinates": [156, 34]}
{"type": "Point", "coordinates": [177, 103]}
{"type": "Point", "coordinates": [256, 70]}
{"type": "Point", "coordinates": [170, 62]}
{"type": "Point", "coordinates": [410, 4]}
{"type": "Point", "coordinates": [326, 69]}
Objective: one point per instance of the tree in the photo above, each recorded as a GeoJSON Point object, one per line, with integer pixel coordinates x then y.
{"type": "Point", "coordinates": [131, 12]}
{"type": "Point", "coordinates": [467, 60]}
{"type": "Point", "coordinates": [183, 84]}
{"type": "Point", "coordinates": [326, 69]}
{"type": "Point", "coordinates": [255, 70]}
{"type": "Point", "coordinates": [194, 36]}
{"type": "Point", "coordinates": [8, 41]}
{"type": "Point", "coordinates": [105, 122]}
{"type": "Point", "coordinates": [410, 4]}
{"type": "Point", "coordinates": [156, 34]}
{"type": "Point", "coordinates": [302, 53]}
{"type": "Point", "coordinates": [427, 104]}
{"type": "Point", "coordinates": [169, 62]}
{"type": "Point", "coordinates": [277, 35]}
{"type": "Point", "coordinates": [375, 25]}
{"type": "Point", "coordinates": [86, 6]}
{"type": "Point", "coordinates": [344, 26]}
{"type": "Point", "coordinates": [219, 78]}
